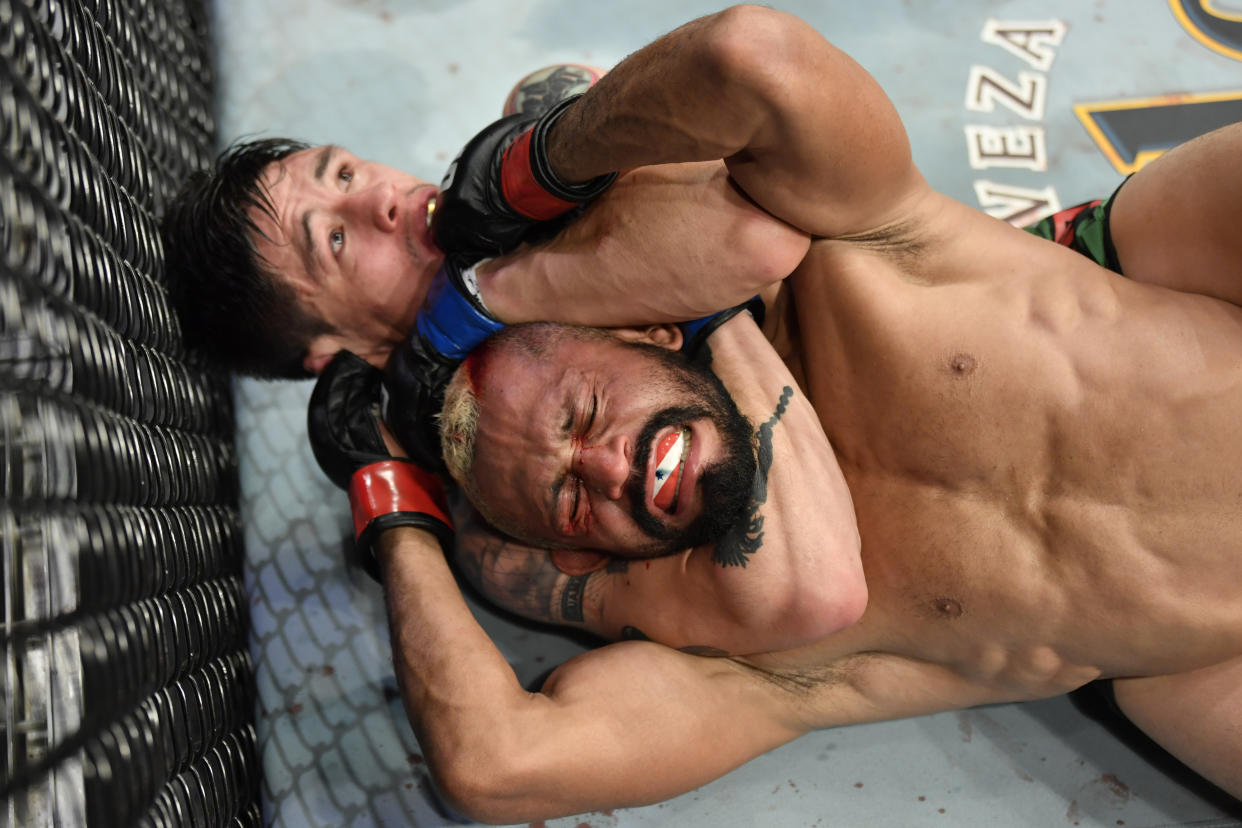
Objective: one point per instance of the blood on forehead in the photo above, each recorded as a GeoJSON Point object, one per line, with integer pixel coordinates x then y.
{"type": "Point", "coordinates": [476, 368]}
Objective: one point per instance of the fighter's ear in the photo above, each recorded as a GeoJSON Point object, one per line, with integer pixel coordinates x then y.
{"type": "Point", "coordinates": [578, 561]}
{"type": "Point", "coordinates": [665, 336]}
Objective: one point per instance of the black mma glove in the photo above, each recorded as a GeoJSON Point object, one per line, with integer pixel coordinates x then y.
{"type": "Point", "coordinates": [501, 186]}
{"type": "Point", "coordinates": [384, 491]}
{"type": "Point", "coordinates": [415, 378]}
{"type": "Point", "coordinates": [695, 332]}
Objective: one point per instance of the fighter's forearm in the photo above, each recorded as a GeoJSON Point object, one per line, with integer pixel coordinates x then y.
{"type": "Point", "coordinates": [664, 103]}
{"type": "Point", "coordinates": [805, 131]}
{"type": "Point", "coordinates": [462, 698]}
{"type": "Point", "coordinates": [665, 244]}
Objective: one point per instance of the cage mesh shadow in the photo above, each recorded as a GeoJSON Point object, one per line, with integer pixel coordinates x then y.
{"type": "Point", "coordinates": [127, 686]}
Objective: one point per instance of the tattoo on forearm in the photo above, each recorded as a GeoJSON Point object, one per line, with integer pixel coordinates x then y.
{"type": "Point", "coordinates": [571, 597]}
{"type": "Point", "coordinates": [517, 577]}
{"type": "Point", "coordinates": [744, 539]}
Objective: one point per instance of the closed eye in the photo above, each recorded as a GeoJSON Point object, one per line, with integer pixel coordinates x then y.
{"type": "Point", "coordinates": [591, 417]}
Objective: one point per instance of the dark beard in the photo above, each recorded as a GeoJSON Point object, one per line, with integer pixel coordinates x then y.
{"type": "Point", "coordinates": [725, 485]}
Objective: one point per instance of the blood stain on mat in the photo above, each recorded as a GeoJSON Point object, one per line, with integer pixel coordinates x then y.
{"type": "Point", "coordinates": [1118, 788]}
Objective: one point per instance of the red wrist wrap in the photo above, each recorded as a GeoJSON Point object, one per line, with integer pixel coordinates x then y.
{"type": "Point", "coordinates": [395, 486]}
{"type": "Point", "coordinates": [521, 190]}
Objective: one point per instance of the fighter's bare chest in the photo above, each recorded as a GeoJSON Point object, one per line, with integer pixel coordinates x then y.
{"type": "Point", "coordinates": [1018, 458]}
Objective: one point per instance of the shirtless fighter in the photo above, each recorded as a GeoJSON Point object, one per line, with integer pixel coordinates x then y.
{"type": "Point", "coordinates": [1042, 457]}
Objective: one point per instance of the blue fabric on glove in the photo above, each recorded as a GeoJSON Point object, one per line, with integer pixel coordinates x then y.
{"type": "Point", "coordinates": [453, 320]}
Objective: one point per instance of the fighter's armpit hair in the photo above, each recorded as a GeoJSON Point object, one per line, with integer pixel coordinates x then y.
{"type": "Point", "coordinates": [899, 239]}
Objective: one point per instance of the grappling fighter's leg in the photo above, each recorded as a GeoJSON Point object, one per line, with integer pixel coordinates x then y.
{"type": "Point", "coordinates": [1196, 716]}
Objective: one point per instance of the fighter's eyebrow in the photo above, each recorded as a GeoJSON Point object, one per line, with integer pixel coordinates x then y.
{"type": "Point", "coordinates": [324, 159]}
{"type": "Point", "coordinates": [310, 253]}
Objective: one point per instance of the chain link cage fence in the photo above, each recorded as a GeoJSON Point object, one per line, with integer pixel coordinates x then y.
{"type": "Point", "coordinates": [127, 686]}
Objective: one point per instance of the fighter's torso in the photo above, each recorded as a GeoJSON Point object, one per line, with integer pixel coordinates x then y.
{"type": "Point", "coordinates": [1045, 459]}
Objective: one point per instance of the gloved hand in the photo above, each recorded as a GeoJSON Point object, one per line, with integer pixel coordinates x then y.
{"type": "Point", "coordinates": [415, 378]}
{"type": "Point", "coordinates": [384, 491]}
{"type": "Point", "coordinates": [453, 319]}
{"type": "Point", "coordinates": [695, 332]}
{"type": "Point", "coordinates": [501, 186]}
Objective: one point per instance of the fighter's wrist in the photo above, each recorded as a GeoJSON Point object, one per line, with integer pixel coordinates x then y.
{"type": "Point", "coordinates": [557, 175]}
{"type": "Point", "coordinates": [503, 285]}
{"type": "Point", "coordinates": [403, 542]}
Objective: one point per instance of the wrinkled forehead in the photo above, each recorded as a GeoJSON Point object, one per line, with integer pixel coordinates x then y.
{"type": "Point", "coordinates": [270, 202]}
{"type": "Point", "coordinates": [540, 350]}
{"type": "Point", "coordinates": [280, 180]}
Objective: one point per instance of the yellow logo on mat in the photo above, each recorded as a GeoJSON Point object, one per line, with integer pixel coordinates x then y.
{"type": "Point", "coordinates": [1134, 131]}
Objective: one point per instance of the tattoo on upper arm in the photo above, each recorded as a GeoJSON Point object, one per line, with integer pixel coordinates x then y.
{"type": "Point", "coordinates": [744, 539]}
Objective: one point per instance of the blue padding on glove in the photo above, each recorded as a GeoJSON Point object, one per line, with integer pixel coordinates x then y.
{"type": "Point", "coordinates": [451, 322]}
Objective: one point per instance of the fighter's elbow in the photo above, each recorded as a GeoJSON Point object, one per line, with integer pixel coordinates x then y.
{"type": "Point", "coordinates": [501, 778]}
{"type": "Point", "coordinates": [832, 601]}
{"type": "Point", "coordinates": [480, 788]}
{"type": "Point", "coordinates": [839, 608]}
{"type": "Point", "coordinates": [756, 47]}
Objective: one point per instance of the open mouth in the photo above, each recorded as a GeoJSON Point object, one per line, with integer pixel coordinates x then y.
{"type": "Point", "coordinates": [670, 456]}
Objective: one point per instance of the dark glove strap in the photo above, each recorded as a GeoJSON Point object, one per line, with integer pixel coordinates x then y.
{"type": "Point", "coordinates": [541, 168]}
{"type": "Point", "coordinates": [395, 486]}
{"type": "Point", "coordinates": [697, 332]}
{"type": "Point", "coordinates": [362, 546]}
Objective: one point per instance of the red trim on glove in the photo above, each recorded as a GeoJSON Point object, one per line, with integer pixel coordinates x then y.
{"type": "Point", "coordinates": [395, 486]}
{"type": "Point", "coordinates": [521, 190]}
